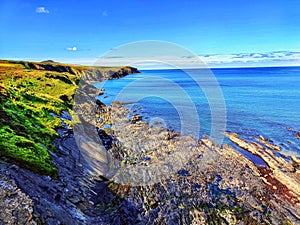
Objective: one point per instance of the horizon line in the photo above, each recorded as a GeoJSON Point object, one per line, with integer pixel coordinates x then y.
{"type": "Point", "coordinates": [155, 68]}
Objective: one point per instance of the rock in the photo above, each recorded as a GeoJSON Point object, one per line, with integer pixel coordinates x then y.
{"type": "Point", "coordinates": [135, 118]}
{"type": "Point", "coordinates": [262, 138]}
{"type": "Point", "coordinates": [65, 115]}
{"type": "Point", "coordinates": [266, 142]}
{"type": "Point", "coordinates": [99, 103]}
{"type": "Point", "coordinates": [280, 171]}
{"type": "Point", "coordinates": [16, 206]}
{"type": "Point", "coordinates": [75, 199]}
{"type": "Point", "coordinates": [14, 167]}
{"type": "Point", "coordinates": [289, 128]}
{"type": "Point", "coordinates": [101, 92]}
{"type": "Point", "coordinates": [183, 173]}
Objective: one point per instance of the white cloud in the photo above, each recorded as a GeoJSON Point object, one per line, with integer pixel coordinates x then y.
{"type": "Point", "coordinates": [42, 10]}
{"type": "Point", "coordinates": [283, 58]}
{"type": "Point", "coordinates": [253, 59]}
{"type": "Point", "coordinates": [215, 60]}
{"type": "Point", "coordinates": [105, 13]}
{"type": "Point", "coordinates": [72, 49]}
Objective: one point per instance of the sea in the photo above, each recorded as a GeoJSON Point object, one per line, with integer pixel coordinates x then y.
{"type": "Point", "coordinates": [248, 101]}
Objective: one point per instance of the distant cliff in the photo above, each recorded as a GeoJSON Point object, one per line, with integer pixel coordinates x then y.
{"type": "Point", "coordinates": [106, 72]}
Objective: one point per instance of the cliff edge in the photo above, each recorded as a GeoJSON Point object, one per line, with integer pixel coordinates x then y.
{"type": "Point", "coordinates": [34, 96]}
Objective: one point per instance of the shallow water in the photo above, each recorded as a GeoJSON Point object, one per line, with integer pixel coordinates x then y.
{"type": "Point", "coordinates": [259, 101]}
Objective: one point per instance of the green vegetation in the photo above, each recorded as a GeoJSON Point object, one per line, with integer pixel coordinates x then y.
{"type": "Point", "coordinates": [29, 93]}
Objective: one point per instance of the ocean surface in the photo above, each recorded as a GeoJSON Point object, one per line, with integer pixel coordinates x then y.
{"type": "Point", "coordinates": [258, 101]}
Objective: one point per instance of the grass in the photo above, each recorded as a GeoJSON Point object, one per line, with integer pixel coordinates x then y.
{"type": "Point", "coordinates": [29, 92]}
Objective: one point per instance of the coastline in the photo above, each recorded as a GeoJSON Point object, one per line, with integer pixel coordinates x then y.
{"type": "Point", "coordinates": [217, 184]}
{"type": "Point", "coordinates": [259, 102]}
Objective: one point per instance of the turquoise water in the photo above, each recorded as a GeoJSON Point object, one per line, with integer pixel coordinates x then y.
{"type": "Point", "coordinates": [259, 101]}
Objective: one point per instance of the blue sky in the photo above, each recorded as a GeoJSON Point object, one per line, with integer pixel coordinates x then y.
{"type": "Point", "coordinates": [225, 33]}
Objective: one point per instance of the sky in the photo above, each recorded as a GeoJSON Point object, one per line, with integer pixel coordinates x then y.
{"type": "Point", "coordinates": [230, 33]}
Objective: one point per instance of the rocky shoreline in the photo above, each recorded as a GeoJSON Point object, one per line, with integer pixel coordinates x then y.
{"type": "Point", "coordinates": [271, 193]}
{"type": "Point", "coordinates": [217, 185]}
{"type": "Point", "coordinates": [210, 184]}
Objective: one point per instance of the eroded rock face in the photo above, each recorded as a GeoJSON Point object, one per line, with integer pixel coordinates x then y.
{"type": "Point", "coordinates": [16, 207]}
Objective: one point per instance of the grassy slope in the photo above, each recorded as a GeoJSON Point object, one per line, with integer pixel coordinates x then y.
{"type": "Point", "coordinates": [28, 94]}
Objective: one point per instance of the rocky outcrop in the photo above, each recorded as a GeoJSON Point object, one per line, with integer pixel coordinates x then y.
{"type": "Point", "coordinates": [285, 173]}
{"type": "Point", "coordinates": [121, 73]}
{"type": "Point", "coordinates": [281, 176]}
{"type": "Point", "coordinates": [16, 206]}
